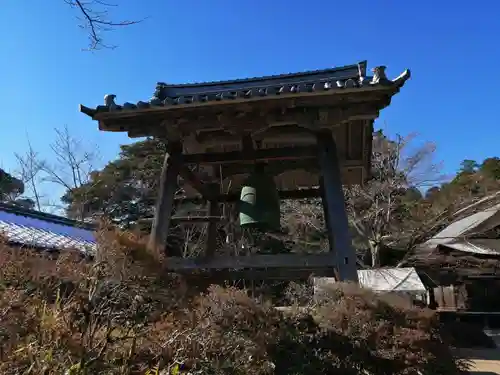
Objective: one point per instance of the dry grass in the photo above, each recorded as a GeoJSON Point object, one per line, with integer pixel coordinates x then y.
{"type": "Point", "coordinates": [121, 313]}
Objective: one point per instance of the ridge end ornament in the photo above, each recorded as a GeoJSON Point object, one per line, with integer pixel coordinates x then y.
{"type": "Point", "coordinates": [109, 101]}
{"type": "Point", "coordinates": [379, 76]}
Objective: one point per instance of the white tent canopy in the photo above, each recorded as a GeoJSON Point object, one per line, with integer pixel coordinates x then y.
{"type": "Point", "coordinates": [391, 280]}
{"type": "Point", "coordinates": [383, 280]}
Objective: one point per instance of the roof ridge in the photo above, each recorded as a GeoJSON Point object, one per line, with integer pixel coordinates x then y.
{"type": "Point", "coordinates": [361, 64]}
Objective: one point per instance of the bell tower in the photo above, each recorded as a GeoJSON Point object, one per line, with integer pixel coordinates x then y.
{"type": "Point", "coordinates": [256, 141]}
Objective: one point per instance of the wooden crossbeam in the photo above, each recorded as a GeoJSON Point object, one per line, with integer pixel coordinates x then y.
{"type": "Point", "coordinates": [360, 106]}
{"type": "Point", "coordinates": [261, 261]}
{"type": "Point", "coordinates": [274, 168]}
{"type": "Point", "coordinates": [197, 219]}
{"type": "Point", "coordinates": [284, 153]}
{"type": "Point", "coordinates": [235, 196]}
{"type": "Point", "coordinates": [187, 219]}
{"type": "Point", "coordinates": [276, 274]}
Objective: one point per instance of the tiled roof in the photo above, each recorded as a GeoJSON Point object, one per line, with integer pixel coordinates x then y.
{"type": "Point", "coordinates": [35, 229]}
{"type": "Point", "coordinates": [482, 246]}
{"type": "Point", "coordinates": [292, 84]}
{"type": "Point", "coordinates": [459, 230]}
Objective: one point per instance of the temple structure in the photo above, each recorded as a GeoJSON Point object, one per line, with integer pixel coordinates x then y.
{"type": "Point", "coordinates": [311, 130]}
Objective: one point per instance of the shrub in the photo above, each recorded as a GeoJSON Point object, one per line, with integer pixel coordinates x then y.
{"type": "Point", "coordinates": [121, 313]}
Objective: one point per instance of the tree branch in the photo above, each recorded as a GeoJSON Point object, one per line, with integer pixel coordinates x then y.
{"type": "Point", "coordinates": [96, 21]}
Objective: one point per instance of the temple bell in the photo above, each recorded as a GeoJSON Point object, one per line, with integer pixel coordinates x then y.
{"type": "Point", "coordinates": [259, 202]}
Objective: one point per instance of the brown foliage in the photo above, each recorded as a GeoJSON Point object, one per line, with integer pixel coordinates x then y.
{"type": "Point", "coordinates": [122, 314]}
{"type": "Point", "coordinates": [384, 334]}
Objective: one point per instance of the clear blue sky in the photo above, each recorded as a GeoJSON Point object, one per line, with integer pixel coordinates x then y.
{"type": "Point", "coordinates": [451, 47]}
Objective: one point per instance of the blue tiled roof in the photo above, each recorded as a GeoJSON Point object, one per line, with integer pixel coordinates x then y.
{"type": "Point", "coordinates": [40, 230]}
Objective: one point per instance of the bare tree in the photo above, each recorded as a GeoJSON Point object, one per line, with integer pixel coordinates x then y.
{"type": "Point", "coordinates": [72, 164]}
{"type": "Point", "coordinates": [30, 173]}
{"type": "Point", "coordinates": [380, 212]}
{"type": "Point", "coordinates": [69, 167]}
{"type": "Point", "coordinates": [95, 18]}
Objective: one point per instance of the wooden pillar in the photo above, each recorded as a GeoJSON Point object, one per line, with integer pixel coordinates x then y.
{"type": "Point", "coordinates": [165, 202]}
{"type": "Point", "coordinates": [325, 211]}
{"type": "Point", "coordinates": [335, 213]}
{"type": "Point", "coordinates": [214, 209]}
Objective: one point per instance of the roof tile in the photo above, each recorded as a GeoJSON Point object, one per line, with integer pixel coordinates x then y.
{"type": "Point", "coordinates": [36, 229]}
{"type": "Point", "coordinates": [351, 76]}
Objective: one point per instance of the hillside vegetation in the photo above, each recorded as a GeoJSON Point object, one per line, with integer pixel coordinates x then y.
{"type": "Point", "coordinates": [120, 313]}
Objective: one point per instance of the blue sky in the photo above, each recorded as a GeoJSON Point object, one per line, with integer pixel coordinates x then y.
{"type": "Point", "coordinates": [451, 47]}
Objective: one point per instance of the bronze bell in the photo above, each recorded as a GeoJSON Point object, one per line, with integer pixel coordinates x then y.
{"type": "Point", "coordinates": [259, 202]}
